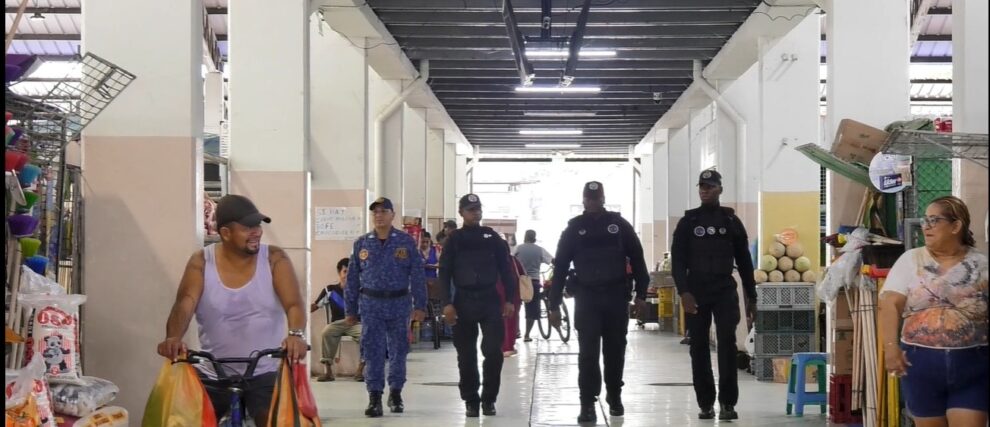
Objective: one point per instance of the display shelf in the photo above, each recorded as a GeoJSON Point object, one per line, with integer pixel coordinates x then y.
{"type": "Point", "coordinates": [934, 145]}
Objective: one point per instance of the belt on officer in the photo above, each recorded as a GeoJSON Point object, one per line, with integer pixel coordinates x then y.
{"type": "Point", "coordinates": [374, 293]}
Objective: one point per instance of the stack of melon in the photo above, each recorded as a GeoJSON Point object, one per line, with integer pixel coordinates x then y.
{"type": "Point", "coordinates": [784, 263]}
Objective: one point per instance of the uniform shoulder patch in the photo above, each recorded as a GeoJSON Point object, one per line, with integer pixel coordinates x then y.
{"type": "Point", "coordinates": [699, 231]}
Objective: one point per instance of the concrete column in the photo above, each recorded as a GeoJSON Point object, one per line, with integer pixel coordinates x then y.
{"type": "Point", "coordinates": [390, 167]}
{"type": "Point", "coordinates": [269, 121]}
{"type": "Point", "coordinates": [338, 133]}
{"type": "Point", "coordinates": [969, 105]}
{"type": "Point", "coordinates": [213, 104]}
{"type": "Point", "coordinates": [141, 157]}
{"type": "Point", "coordinates": [413, 177]}
{"type": "Point", "coordinates": [868, 53]}
{"type": "Point", "coordinates": [680, 180]}
{"type": "Point", "coordinates": [435, 190]}
{"type": "Point", "coordinates": [789, 107]}
{"type": "Point", "coordinates": [450, 185]}
{"type": "Point", "coordinates": [461, 184]}
{"type": "Point", "coordinates": [662, 229]}
{"type": "Point", "coordinates": [644, 208]}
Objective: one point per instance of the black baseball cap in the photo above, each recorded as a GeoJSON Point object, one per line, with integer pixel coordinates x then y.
{"type": "Point", "coordinates": [239, 209]}
{"type": "Point", "coordinates": [594, 190]}
{"type": "Point", "coordinates": [470, 201]}
{"type": "Point", "coordinates": [383, 202]}
{"type": "Point", "coordinates": [710, 177]}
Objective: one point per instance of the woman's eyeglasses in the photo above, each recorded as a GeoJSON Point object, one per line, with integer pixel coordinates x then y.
{"type": "Point", "coordinates": [932, 221]}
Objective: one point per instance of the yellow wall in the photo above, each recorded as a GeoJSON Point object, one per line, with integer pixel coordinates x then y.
{"type": "Point", "coordinates": [797, 210]}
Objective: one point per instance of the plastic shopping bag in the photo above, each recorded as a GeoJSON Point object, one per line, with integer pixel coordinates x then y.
{"type": "Point", "coordinates": [178, 399]}
{"type": "Point", "coordinates": [292, 403]}
{"type": "Point", "coordinates": [31, 384]}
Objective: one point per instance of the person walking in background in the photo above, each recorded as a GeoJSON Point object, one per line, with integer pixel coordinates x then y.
{"type": "Point", "coordinates": [532, 257]}
{"type": "Point", "coordinates": [941, 292]}
{"type": "Point", "coordinates": [332, 298]}
{"type": "Point", "coordinates": [385, 268]}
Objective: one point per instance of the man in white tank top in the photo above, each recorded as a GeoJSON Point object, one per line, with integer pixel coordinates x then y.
{"type": "Point", "coordinates": [246, 298]}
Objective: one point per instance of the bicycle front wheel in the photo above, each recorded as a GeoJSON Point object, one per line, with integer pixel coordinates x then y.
{"type": "Point", "coordinates": [544, 321]}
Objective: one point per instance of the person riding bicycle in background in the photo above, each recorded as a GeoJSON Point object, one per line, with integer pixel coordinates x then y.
{"type": "Point", "coordinates": [532, 256]}
{"type": "Point", "coordinates": [244, 294]}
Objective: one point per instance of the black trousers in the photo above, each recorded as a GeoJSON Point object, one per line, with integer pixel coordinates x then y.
{"type": "Point", "coordinates": [474, 311]}
{"type": "Point", "coordinates": [602, 321]}
{"type": "Point", "coordinates": [724, 308]}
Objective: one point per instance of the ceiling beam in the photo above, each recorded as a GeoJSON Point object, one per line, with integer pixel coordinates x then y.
{"type": "Point", "coordinates": [641, 31]}
{"type": "Point", "coordinates": [502, 54]}
{"type": "Point", "coordinates": [441, 42]}
{"type": "Point", "coordinates": [559, 6]}
{"type": "Point", "coordinates": [672, 76]}
{"type": "Point", "coordinates": [920, 59]}
{"type": "Point", "coordinates": [47, 37]}
{"type": "Point", "coordinates": [616, 17]}
{"type": "Point", "coordinates": [441, 64]}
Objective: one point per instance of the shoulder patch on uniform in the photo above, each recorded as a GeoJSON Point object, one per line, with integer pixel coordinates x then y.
{"type": "Point", "coordinates": [401, 253]}
{"type": "Point", "coordinates": [699, 231]}
{"type": "Point", "coordinates": [363, 255]}
{"type": "Point", "coordinates": [613, 228]}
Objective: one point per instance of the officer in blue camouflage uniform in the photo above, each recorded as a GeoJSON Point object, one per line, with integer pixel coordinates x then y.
{"type": "Point", "coordinates": [385, 269]}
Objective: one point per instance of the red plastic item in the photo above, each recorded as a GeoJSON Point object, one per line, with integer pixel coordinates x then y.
{"type": "Point", "coordinates": [840, 400]}
{"type": "Point", "coordinates": [14, 160]}
{"type": "Point", "coordinates": [878, 273]}
{"type": "Point", "coordinates": [307, 404]}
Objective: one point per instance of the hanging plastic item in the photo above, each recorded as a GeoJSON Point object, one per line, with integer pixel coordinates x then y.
{"type": "Point", "coordinates": [178, 399]}
{"type": "Point", "coordinates": [293, 404]}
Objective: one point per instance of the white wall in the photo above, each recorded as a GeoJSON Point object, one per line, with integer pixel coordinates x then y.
{"type": "Point", "coordinates": [413, 160]}
{"type": "Point", "coordinates": [390, 168]}
{"type": "Point", "coordinates": [678, 197]}
{"type": "Point", "coordinates": [435, 189]}
{"type": "Point", "coordinates": [450, 180]}
{"type": "Point", "coordinates": [337, 114]}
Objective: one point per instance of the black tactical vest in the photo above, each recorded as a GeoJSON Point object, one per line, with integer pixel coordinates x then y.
{"type": "Point", "coordinates": [711, 244]}
{"type": "Point", "coordinates": [599, 255]}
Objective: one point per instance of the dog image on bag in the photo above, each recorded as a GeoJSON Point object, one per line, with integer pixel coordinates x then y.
{"type": "Point", "coordinates": [56, 355]}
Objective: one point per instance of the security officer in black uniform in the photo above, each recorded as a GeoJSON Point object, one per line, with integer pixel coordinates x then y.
{"type": "Point", "coordinates": [706, 242]}
{"type": "Point", "coordinates": [473, 259]}
{"type": "Point", "coordinates": [600, 243]}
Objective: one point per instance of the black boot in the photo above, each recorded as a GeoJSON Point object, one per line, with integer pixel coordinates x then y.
{"type": "Point", "coordinates": [706, 413]}
{"type": "Point", "coordinates": [588, 414]}
{"type": "Point", "coordinates": [471, 409]}
{"type": "Point", "coordinates": [374, 404]}
{"type": "Point", "coordinates": [488, 408]}
{"type": "Point", "coordinates": [395, 401]}
{"type": "Point", "coordinates": [615, 407]}
{"type": "Point", "coordinates": [728, 412]}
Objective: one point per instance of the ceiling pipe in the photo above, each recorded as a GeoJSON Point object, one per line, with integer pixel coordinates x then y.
{"type": "Point", "coordinates": [525, 69]}
{"type": "Point", "coordinates": [577, 38]}
{"type": "Point", "coordinates": [424, 74]}
{"type": "Point", "coordinates": [736, 118]}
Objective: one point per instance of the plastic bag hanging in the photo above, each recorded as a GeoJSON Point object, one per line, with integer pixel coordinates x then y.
{"type": "Point", "coordinates": [292, 402]}
{"type": "Point", "coordinates": [178, 399]}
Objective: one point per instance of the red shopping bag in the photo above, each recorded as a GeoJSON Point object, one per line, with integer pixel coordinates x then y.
{"type": "Point", "coordinates": [293, 404]}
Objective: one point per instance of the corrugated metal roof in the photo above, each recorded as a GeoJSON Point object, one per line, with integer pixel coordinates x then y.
{"type": "Point", "coordinates": [932, 48]}
{"type": "Point", "coordinates": [938, 25]}
{"type": "Point", "coordinates": [45, 3]}
{"type": "Point", "coordinates": [54, 23]}
{"type": "Point", "coordinates": [45, 47]}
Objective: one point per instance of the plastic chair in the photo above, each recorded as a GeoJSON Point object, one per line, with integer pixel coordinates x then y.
{"type": "Point", "coordinates": [797, 397]}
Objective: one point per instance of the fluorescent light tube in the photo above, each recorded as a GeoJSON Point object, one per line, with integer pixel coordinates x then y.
{"type": "Point", "coordinates": [551, 132]}
{"type": "Point", "coordinates": [553, 146]}
{"type": "Point", "coordinates": [558, 89]}
{"type": "Point", "coordinates": [559, 113]}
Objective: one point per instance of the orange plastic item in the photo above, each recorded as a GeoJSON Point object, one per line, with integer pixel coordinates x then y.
{"type": "Point", "coordinates": [178, 399]}
{"type": "Point", "coordinates": [292, 402]}
{"type": "Point", "coordinates": [25, 415]}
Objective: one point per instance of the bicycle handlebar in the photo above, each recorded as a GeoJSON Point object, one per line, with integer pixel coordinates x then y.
{"type": "Point", "coordinates": [194, 356]}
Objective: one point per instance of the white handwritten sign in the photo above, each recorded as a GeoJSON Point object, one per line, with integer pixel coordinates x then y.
{"type": "Point", "coordinates": [339, 223]}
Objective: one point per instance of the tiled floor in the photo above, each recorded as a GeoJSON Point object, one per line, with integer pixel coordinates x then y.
{"type": "Point", "coordinates": [539, 388]}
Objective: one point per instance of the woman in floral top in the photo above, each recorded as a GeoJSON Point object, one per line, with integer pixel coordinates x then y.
{"type": "Point", "coordinates": [941, 292]}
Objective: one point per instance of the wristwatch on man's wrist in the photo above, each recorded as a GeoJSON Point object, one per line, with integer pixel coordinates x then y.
{"type": "Point", "coordinates": [297, 333]}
